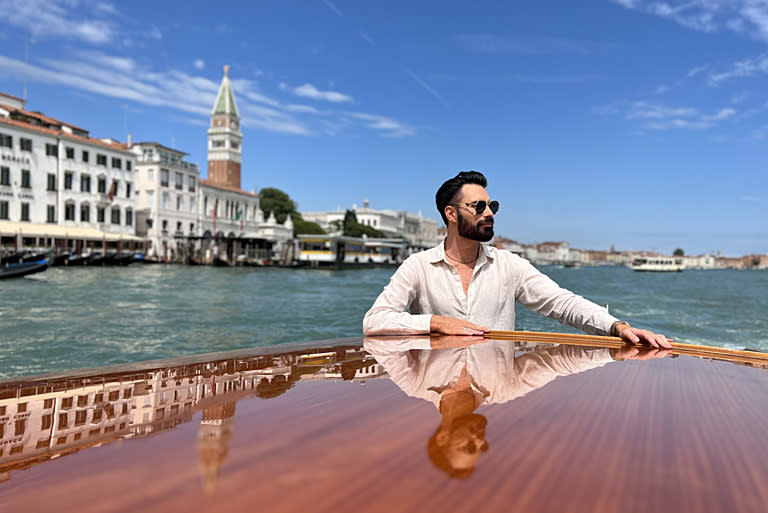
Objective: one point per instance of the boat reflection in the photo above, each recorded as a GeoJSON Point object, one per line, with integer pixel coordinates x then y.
{"type": "Point", "coordinates": [460, 374]}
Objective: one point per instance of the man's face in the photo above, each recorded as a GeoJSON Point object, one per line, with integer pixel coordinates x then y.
{"type": "Point", "coordinates": [472, 225]}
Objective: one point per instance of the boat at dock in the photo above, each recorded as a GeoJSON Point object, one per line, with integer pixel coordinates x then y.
{"type": "Point", "coordinates": [657, 264]}
{"type": "Point", "coordinates": [21, 269]}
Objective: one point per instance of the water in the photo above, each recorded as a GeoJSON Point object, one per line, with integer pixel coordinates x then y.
{"type": "Point", "coordinates": [69, 318]}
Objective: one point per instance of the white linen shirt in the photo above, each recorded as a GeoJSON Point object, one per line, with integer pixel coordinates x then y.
{"type": "Point", "coordinates": [426, 284]}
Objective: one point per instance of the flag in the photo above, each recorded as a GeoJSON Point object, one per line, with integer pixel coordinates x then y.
{"type": "Point", "coordinates": [112, 190]}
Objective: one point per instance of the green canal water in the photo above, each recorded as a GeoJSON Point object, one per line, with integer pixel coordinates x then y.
{"type": "Point", "coordinates": [68, 318]}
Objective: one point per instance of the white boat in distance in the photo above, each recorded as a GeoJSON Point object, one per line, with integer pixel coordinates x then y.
{"type": "Point", "coordinates": [658, 264]}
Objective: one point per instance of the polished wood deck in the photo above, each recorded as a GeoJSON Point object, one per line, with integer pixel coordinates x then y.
{"type": "Point", "coordinates": [679, 433]}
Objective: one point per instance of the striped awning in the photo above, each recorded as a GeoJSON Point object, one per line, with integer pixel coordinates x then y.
{"type": "Point", "coordinates": [56, 231]}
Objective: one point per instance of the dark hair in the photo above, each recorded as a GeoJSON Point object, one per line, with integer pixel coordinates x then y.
{"type": "Point", "coordinates": [447, 192]}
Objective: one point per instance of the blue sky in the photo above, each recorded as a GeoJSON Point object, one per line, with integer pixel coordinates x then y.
{"type": "Point", "coordinates": [638, 124]}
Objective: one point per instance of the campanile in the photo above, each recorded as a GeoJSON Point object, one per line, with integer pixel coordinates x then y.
{"type": "Point", "coordinates": [224, 138]}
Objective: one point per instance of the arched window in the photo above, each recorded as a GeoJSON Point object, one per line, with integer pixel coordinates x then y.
{"type": "Point", "coordinates": [128, 217]}
{"type": "Point", "coordinates": [85, 212]}
{"type": "Point", "coordinates": [115, 215]}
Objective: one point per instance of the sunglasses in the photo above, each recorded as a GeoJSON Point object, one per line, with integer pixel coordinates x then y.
{"type": "Point", "coordinates": [481, 205]}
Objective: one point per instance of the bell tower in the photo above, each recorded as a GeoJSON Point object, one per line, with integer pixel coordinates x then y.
{"type": "Point", "coordinates": [224, 138]}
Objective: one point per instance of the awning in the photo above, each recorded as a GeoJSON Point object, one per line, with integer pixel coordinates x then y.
{"type": "Point", "coordinates": [62, 232]}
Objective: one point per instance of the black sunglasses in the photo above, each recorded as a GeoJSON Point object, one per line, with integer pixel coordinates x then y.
{"type": "Point", "coordinates": [481, 205]}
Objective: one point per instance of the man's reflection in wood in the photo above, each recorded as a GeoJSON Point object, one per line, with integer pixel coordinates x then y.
{"type": "Point", "coordinates": [458, 374]}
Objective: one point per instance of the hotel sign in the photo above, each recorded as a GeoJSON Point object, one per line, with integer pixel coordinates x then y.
{"type": "Point", "coordinates": [14, 158]}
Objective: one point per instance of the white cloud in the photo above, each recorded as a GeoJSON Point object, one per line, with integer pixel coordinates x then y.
{"type": "Point", "coordinates": [425, 86]}
{"type": "Point", "coordinates": [101, 74]}
{"type": "Point", "coordinates": [199, 64]}
{"type": "Point", "coordinates": [155, 33]}
{"type": "Point", "coordinates": [748, 17]}
{"type": "Point", "coordinates": [698, 69]}
{"type": "Point", "coordinates": [661, 117]}
{"type": "Point", "coordinates": [310, 91]}
{"type": "Point", "coordinates": [333, 7]}
{"type": "Point", "coordinates": [367, 38]}
{"type": "Point", "coordinates": [741, 69]}
{"type": "Point", "coordinates": [55, 18]}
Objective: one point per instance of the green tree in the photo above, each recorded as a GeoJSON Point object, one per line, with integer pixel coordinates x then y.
{"type": "Point", "coordinates": [277, 201]}
{"type": "Point", "coordinates": [679, 252]}
{"type": "Point", "coordinates": [354, 229]}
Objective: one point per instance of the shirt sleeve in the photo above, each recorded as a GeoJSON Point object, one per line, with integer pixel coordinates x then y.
{"type": "Point", "coordinates": [539, 293]}
{"type": "Point", "coordinates": [390, 313]}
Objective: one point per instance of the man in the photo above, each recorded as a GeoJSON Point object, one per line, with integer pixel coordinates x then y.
{"type": "Point", "coordinates": [463, 287]}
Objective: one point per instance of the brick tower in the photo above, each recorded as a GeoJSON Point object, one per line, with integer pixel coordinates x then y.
{"type": "Point", "coordinates": [224, 138]}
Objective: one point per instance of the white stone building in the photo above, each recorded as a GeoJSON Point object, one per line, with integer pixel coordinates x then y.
{"type": "Point", "coordinates": [59, 183]}
{"type": "Point", "coordinates": [167, 199]}
{"type": "Point", "coordinates": [419, 231]}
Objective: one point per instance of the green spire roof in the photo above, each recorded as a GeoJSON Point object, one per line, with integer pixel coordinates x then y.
{"type": "Point", "coordinates": [225, 100]}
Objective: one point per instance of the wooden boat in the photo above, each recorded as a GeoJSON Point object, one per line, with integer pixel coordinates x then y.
{"type": "Point", "coordinates": [61, 259]}
{"type": "Point", "coordinates": [682, 431]}
{"type": "Point", "coordinates": [221, 262]}
{"type": "Point", "coordinates": [21, 269]}
{"type": "Point", "coordinates": [191, 260]}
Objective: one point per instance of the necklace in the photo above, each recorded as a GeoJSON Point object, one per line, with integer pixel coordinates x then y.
{"type": "Point", "coordinates": [462, 261]}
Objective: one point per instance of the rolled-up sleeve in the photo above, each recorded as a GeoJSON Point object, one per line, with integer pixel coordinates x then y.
{"type": "Point", "coordinates": [390, 313]}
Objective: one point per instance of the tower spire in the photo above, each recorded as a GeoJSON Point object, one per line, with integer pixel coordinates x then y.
{"type": "Point", "coordinates": [224, 137]}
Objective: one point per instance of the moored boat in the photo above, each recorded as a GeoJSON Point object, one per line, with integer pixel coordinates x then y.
{"type": "Point", "coordinates": [20, 269]}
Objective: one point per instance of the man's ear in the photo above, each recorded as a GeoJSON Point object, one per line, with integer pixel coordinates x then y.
{"type": "Point", "coordinates": [450, 213]}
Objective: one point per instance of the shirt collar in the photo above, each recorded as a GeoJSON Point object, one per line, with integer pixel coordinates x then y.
{"type": "Point", "coordinates": [439, 254]}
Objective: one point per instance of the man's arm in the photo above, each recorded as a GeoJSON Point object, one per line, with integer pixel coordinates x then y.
{"type": "Point", "coordinates": [390, 314]}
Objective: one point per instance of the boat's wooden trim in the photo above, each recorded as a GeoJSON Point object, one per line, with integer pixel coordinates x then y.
{"type": "Point", "coordinates": [719, 353]}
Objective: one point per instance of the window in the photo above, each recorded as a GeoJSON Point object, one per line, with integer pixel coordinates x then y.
{"type": "Point", "coordinates": [25, 144]}
{"type": "Point", "coordinates": [164, 177]}
{"type": "Point", "coordinates": [66, 402]}
{"type": "Point", "coordinates": [85, 156]}
{"type": "Point", "coordinates": [128, 165]}
{"type": "Point", "coordinates": [178, 226]}
{"type": "Point", "coordinates": [151, 175]}
{"type": "Point", "coordinates": [101, 160]}
{"type": "Point", "coordinates": [63, 419]}
{"type": "Point", "coordinates": [25, 211]}
{"type": "Point", "coordinates": [82, 400]}
{"type": "Point", "coordinates": [191, 228]}
{"type": "Point", "coordinates": [68, 176]}
{"type": "Point", "coordinates": [85, 183]}
{"type": "Point", "coordinates": [21, 408]}
{"type": "Point", "coordinates": [70, 153]}
{"type": "Point", "coordinates": [179, 179]}
{"type": "Point", "coordinates": [98, 398]}
{"type": "Point", "coordinates": [69, 213]}
{"type": "Point", "coordinates": [5, 175]}
{"type": "Point", "coordinates": [4, 210]}
{"type": "Point", "coordinates": [50, 216]}
{"type": "Point", "coordinates": [6, 141]}
{"type": "Point", "coordinates": [115, 215]}
{"type": "Point", "coordinates": [51, 150]}
{"type": "Point", "coordinates": [51, 182]}
{"type": "Point", "coordinates": [178, 202]}
{"type": "Point", "coordinates": [21, 426]}
{"type": "Point", "coordinates": [26, 179]}
{"type": "Point", "coordinates": [100, 215]}
{"type": "Point", "coordinates": [165, 225]}
{"type": "Point", "coordinates": [117, 163]}
{"type": "Point", "coordinates": [192, 204]}
{"type": "Point", "coordinates": [61, 440]}
{"type": "Point", "coordinates": [102, 185]}
{"type": "Point", "coordinates": [191, 183]}
{"type": "Point", "coordinates": [48, 403]}
{"type": "Point", "coordinates": [96, 416]}
{"type": "Point", "coordinates": [80, 417]}
{"type": "Point", "coordinates": [128, 217]}
{"type": "Point", "coordinates": [128, 189]}
{"type": "Point", "coordinates": [127, 393]}
{"type": "Point", "coordinates": [94, 432]}
{"type": "Point", "coordinates": [166, 199]}
{"type": "Point", "coordinates": [114, 395]}
{"type": "Point", "coordinates": [43, 443]}
{"type": "Point", "coordinates": [47, 421]}
{"type": "Point", "coordinates": [150, 199]}
{"type": "Point", "coordinates": [218, 144]}
{"type": "Point", "coordinates": [85, 213]}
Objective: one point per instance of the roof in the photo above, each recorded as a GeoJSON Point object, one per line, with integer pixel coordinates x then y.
{"type": "Point", "coordinates": [158, 145]}
{"type": "Point", "coordinates": [214, 185]}
{"type": "Point", "coordinates": [225, 99]}
{"type": "Point", "coordinates": [60, 133]}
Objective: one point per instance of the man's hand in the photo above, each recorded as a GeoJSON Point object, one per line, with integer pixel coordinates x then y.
{"type": "Point", "coordinates": [638, 353]}
{"type": "Point", "coordinates": [637, 336]}
{"type": "Point", "coordinates": [451, 326]}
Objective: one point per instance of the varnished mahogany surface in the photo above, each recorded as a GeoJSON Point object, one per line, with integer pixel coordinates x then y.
{"type": "Point", "coordinates": [668, 434]}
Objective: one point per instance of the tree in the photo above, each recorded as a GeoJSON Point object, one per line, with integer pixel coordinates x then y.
{"type": "Point", "coordinates": [354, 229]}
{"type": "Point", "coordinates": [679, 252]}
{"type": "Point", "coordinates": [277, 201]}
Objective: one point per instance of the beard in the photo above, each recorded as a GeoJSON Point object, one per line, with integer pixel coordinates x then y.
{"type": "Point", "coordinates": [482, 231]}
